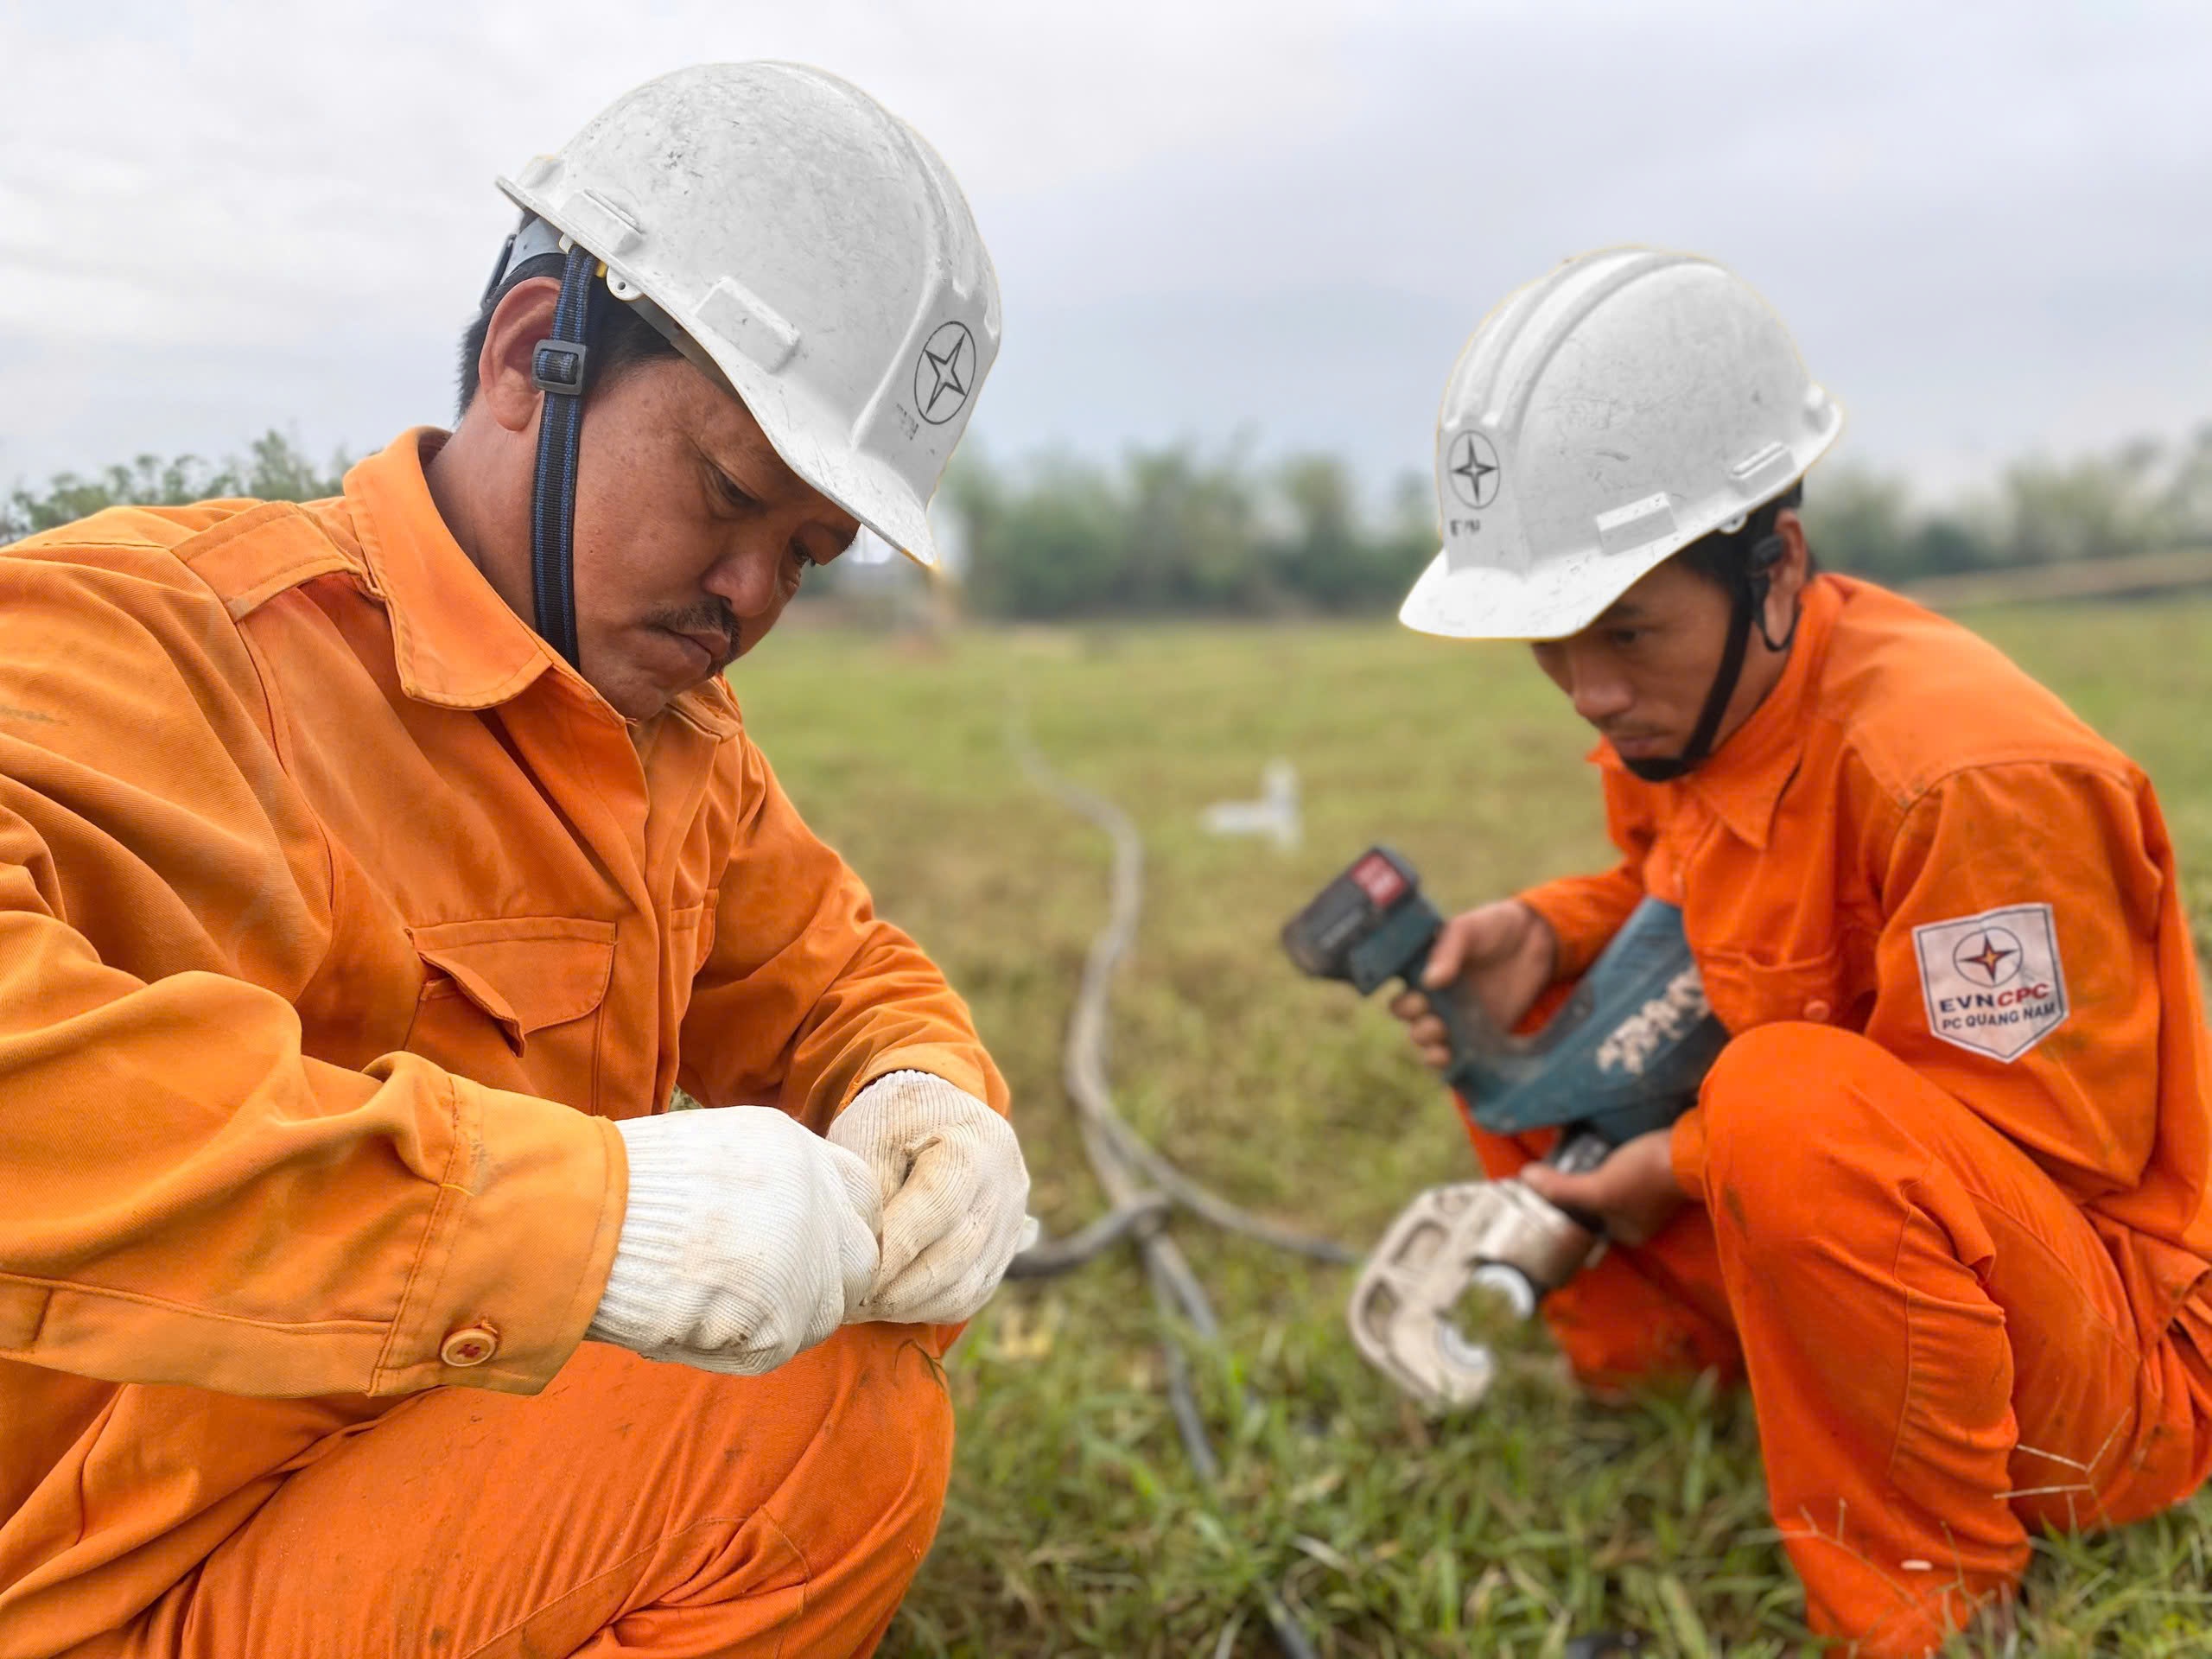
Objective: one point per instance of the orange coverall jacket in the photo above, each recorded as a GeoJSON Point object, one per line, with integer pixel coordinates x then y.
{"type": "Point", "coordinates": [1905, 798]}
{"type": "Point", "coordinates": [337, 917]}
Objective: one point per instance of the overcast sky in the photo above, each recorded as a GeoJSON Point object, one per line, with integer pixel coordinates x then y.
{"type": "Point", "coordinates": [1989, 224]}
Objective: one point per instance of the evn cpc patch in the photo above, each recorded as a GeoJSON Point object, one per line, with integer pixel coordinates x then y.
{"type": "Point", "coordinates": [1993, 983]}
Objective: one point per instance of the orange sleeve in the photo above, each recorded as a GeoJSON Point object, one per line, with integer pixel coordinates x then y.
{"type": "Point", "coordinates": [807, 995]}
{"type": "Point", "coordinates": [190, 1198]}
{"type": "Point", "coordinates": [1999, 879]}
{"type": "Point", "coordinates": [2017, 965]}
{"type": "Point", "coordinates": [1586, 911]}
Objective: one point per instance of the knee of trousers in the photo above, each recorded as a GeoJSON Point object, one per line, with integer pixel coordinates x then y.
{"type": "Point", "coordinates": [847, 1447]}
{"type": "Point", "coordinates": [873, 1479]}
{"type": "Point", "coordinates": [1794, 1120]}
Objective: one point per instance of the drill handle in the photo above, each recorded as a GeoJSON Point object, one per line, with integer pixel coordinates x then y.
{"type": "Point", "coordinates": [1471, 1034]}
{"type": "Point", "coordinates": [1398, 948]}
{"type": "Point", "coordinates": [1485, 1056]}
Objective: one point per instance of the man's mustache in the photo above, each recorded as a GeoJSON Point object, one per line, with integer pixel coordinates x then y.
{"type": "Point", "coordinates": [708, 616]}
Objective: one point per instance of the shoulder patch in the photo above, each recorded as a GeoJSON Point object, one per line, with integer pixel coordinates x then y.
{"type": "Point", "coordinates": [1993, 983]}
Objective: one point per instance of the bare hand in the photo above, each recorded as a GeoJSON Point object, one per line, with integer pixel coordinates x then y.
{"type": "Point", "coordinates": [1501, 953]}
{"type": "Point", "coordinates": [1634, 1191]}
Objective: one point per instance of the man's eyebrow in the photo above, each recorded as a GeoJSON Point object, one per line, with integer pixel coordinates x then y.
{"type": "Point", "coordinates": [752, 472]}
{"type": "Point", "coordinates": [710, 461]}
{"type": "Point", "coordinates": [1625, 610]}
{"type": "Point", "coordinates": [783, 481]}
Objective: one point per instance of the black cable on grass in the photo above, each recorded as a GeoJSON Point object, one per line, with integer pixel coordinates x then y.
{"type": "Point", "coordinates": [1085, 1073]}
{"type": "Point", "coordinates": [1122, 1159]}
{"type": "Point", "coordinates": [1050, 1257]}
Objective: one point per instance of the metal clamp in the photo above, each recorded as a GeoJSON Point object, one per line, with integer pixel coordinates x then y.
{"type": "Point", "coordinates": [1404, 1312]}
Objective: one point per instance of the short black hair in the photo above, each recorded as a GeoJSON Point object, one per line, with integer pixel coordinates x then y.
{"type": "Point", "coordinates": [1723, 557]}
{"type": "Point", "coordinates": [621, 338]}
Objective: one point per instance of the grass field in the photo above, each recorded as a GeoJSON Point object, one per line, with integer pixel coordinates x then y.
{"type": "Point", "coordinates": [1074, 1525]}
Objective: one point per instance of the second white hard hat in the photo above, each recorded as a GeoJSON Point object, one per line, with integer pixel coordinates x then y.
{"type": "Point", "coordinates": [806, 247]}
{"type": "Point", "coordinates": [1599, 420]}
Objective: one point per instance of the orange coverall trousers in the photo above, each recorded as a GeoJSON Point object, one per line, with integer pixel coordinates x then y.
{"type": "Point", "coordinates": [1940, 1353]}
{"type": "Point", "coordinates": [632, 1508]}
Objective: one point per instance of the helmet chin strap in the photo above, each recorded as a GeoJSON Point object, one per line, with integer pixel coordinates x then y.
{"type": "Point", "coordinates": [1747, 602]}
{"type": "Point", "coordinates": [560, 368]}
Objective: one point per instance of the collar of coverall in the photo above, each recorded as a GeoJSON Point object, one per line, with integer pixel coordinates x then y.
{"type": "Point", "coordinates": [455, 642]}
{"type": "Point", "coordinates": [1743, 779]}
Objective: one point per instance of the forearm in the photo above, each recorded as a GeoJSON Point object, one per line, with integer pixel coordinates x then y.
{"type": "Point", "coordinates": [193, 1200]}
{"type": "Point", "coordinates": [891, 1010]}
{"type": "Point", "coordinates": [808, 996]}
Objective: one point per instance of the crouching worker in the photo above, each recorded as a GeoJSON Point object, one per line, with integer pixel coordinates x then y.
{"type": "Point", "coordinates": [1943, 1200]}
{"type": "Point", "coordinates": [371, 871]}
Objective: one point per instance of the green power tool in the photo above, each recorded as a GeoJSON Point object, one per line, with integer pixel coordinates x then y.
{"type": "Point", "coordinates": [1623, 1056]}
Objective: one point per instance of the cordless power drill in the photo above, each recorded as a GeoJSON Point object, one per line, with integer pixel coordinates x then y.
{"type": "Point", "coordinates": [1624, 1055]}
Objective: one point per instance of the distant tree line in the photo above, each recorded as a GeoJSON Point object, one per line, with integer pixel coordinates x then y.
{"type": "Point", "coordinates": [2144, 497]}
{"type": "Point", "coordinates": [272, 469]}
{"type": "Point", "coordinates": [1171, 531]}
{"type": "Point", "coordinates": [1180, 531]}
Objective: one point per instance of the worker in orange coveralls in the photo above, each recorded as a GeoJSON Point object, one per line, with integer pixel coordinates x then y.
{"type": "Point", "coordinates": [1943, 1199]}
{"type": "Point", "coordinates": [371, 873]}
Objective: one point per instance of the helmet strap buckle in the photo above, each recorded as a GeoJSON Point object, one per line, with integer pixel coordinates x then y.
{"type": "Point", "coordinates": [558, 366]}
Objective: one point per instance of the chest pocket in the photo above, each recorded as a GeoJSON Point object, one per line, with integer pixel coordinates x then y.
{"type": "Point", "coordinates": [1824, 989]}
{"type": "Point", "coordinates": [516, 1002]}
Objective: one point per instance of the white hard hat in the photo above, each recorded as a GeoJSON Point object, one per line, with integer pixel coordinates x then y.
{"type": "Point", "coordinates": [1599, 420]}
{"type": "Point", "coordinates": [808, 248]}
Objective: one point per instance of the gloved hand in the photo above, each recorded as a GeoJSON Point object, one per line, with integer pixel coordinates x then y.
{"type": "Point", "coordinates": [955, 1196]}
{"type": "Point", "coordinates": [748, 1237]}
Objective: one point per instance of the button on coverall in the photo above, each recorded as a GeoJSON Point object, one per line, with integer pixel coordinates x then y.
{"type": "Point", "coordinates": [1950, 1171]}
{"type": "Point", "coordinates": [337, 918]}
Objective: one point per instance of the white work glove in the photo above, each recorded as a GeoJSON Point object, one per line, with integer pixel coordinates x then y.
{"type": "Point", "coordinates": [748, 1237]}
{"type": "Point", "coordinates": [955, 1196]}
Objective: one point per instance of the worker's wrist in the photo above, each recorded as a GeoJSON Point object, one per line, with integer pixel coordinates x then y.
{"type": "Point", "coordinates": [662, 1179]}
{"type": "Point", "coordinates": [966, 1068]}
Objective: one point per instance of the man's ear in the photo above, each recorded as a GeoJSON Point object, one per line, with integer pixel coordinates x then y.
{"type": "Point", "coordinates": [1787, 577]}
{"type": "Point", "coordinates": [504, 386]}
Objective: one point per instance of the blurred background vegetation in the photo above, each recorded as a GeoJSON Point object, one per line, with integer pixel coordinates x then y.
{"type": "Point", "coordinates": [1189, 532]}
